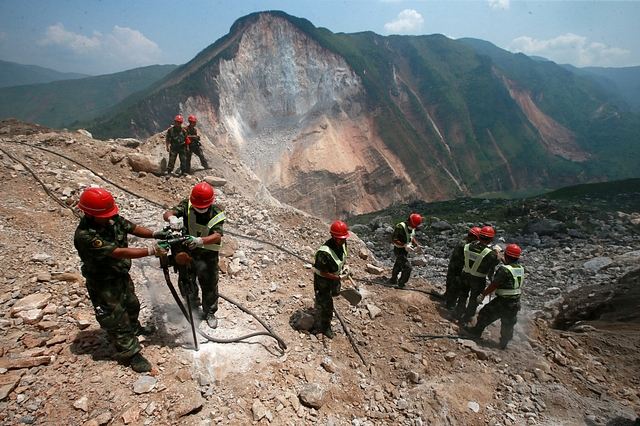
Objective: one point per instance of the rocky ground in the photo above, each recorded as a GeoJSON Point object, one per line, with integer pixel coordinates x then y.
{"type": "Point", "coordinates": [574, 359]}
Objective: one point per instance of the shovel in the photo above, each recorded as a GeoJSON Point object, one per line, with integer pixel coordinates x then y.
{"type": "Point", "coordinates": [352, 295]}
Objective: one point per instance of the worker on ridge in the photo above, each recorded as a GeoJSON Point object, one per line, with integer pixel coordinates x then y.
{"type": "Point", "coordinates": [507, 284]}
{"type": "Point", "coordinates": [479, 263]}
{"type": "Point", "coordinates": [456, 264]}
{"type": "Point", "coordinates": [176, 141]}
{"type": "Point", "coordinates": [329, 271]}
{"type": "Point", "coordinates": [101, 242]}
{"type": "Point", "coordinates": [404, 242]}
{"type": "Point", "coordinates": [195, 145]}
{"type": "Point", "coordinates": [204, 224]}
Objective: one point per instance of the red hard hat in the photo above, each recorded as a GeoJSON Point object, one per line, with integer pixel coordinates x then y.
{"type": "Point", "coordinates": [415, 220]}
{"type": "Point", "coordinates": [487, 232]}
{"type": "Point", "coordinates": [192, 119]}
{"type": "Point", "coordinates": [202, 195]}
{"type": "Point", "coordinates": [339, 230]}
{"type": "Point", "coordinates": [178, 118]}
{"type": "Point", "coordinates": [513, 250]}
{"type": "Point", "coordinates": [97, 202]}
{"type": "Point", "coordinates": [475, 231]}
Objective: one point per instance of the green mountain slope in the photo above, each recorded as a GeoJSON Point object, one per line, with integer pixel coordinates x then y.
{"type": "Point", "coordinates": [63, 103]}
{"type": "Point", "coordinates": [12, 74]}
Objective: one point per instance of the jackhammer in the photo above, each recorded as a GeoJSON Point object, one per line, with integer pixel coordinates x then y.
{"type": "Point", "coordinates": [180, 259]}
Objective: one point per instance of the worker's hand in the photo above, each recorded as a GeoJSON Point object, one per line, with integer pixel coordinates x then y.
{"type": "Point", "coordinates": [175, 223]}
{"type": "Point", "coordinates": [419, 250]}
{"type": "Point", "coordinates": [163, 234]}
{"type": "Point", "coordinates": [479, 299]}
{"type": "Point", "coordinates": [497, 249]}
{"type": "Point", "coordinates": [343, 277]}
{"type": "Point", "coordinates": [168, 148]}
{"type": "Point", "coordinates": [409, 248]}
{"type": "Point", "coordinates": [345, 270]}
{"type": "Point", "coordinates": [193, 242]}
{"type": "Point", "coordinates": [159, 249]}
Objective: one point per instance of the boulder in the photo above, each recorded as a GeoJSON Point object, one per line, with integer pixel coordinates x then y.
{"type": "Point", "coordinates": [145, 163]}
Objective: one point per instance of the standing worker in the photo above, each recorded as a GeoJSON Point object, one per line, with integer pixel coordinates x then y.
{"type": "Point", "coordinates": [479, 263]}
{"type": "Point", "coordinates": [329, 271]}
{"type": "Point", "coordinates": [195, 147]}
{"type": "Point", "coordinates": [204, 224]}
{"type": "Point", "coordinates": [404, 242]}
{"type": "Point", "coordinates": [101, 241]}
{"type": "Point", "coordinates": [507, 284]}
{"type": "Point", "coordinates": [456, 263]}
{"type": "Point", "coordinates": [176, 141]}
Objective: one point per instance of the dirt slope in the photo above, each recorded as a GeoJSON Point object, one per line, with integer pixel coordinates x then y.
{"type": "Point", "coordinates": [56, 366]}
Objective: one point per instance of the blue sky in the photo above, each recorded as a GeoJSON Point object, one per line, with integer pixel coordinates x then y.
{"type": "Point", "coordinates": [106, 36]}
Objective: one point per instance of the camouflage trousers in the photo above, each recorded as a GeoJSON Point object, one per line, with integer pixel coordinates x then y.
{"type": "Point", "coordinates": [116, 308]}
{"type": "Point", "coordinates": [464, 294]}
{"type": "Point", "coordinates": [196, 149]}
{"type": "Point", "coordinates": [325, 290]}
{"type": "Point", "coordinates": [178, 151]}
{"type": "Point", "coordinates": [401, 266]}
{"type": "Point", "coordinates": [503, 309]}
{"type": "Point", "coordinates": [205, 270]}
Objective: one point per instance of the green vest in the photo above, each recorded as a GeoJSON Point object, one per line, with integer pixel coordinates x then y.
{"type": "Point", "coordinates": [409, 234]}
{"type": "Point", "coordinates": [517, 272]}
{"type": "Point", "coordinates": [472, 261]}
{"type": "Point", "coordinates": [339, 261]}
{"type": "Point", "coordinates": [197, 230]}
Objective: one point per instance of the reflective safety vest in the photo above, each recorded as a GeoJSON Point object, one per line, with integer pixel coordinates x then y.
{"type": "Point", "coordinates": [339, 261]}
{"type": "Point", "coordinates": [472, 261]}
{"type": "Point", "coordinates": [197, 230]}
{"type": "Point", "coordinates": [409, 234]}
{"type": "Point", "coordinates": [517, 272]}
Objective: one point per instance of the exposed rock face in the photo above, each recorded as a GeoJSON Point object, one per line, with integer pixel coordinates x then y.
{"type": "Point", "coordinates": [298, 123]}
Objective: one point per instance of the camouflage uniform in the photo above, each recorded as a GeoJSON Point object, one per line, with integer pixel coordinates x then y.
{"type": "Point", "coordinates": [473, 282]}
{"type": "Point", "coordinates": [195, 147]}
{"type": "Point", "coordinates": [505, 305]}
{"type": "Point", "coordinates": [176, 136]}
{"type": "Point", "coordinates": [330, 257]}
{"type": "Point", "coordinates": [108, 282]}
{"type": "Point", "coordinates": [402, 264]}
{"type": "Point", "coordinates": [456, 263]}
{"type": "Point", "coordinates": [204, 266]}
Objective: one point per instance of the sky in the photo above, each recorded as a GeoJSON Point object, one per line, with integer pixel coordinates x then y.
{"type": "Point", "coordinates": [98, 37]}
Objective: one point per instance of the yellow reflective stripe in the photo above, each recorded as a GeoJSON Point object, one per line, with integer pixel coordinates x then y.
{"type": "Point", "coordinates": [334, 256]}
{"type": "Point", "coordinates": [408, 234]}
{"type": "Point", "coordinates": [517, 272]}
{"type": "Point", "coordinates": [477, 259]}
{"type": "Point", "coordinates": [197, 230]}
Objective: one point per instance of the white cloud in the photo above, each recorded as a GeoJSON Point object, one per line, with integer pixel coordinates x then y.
{"type": "Point", "coordinates": [499, 4]}
{"type": "Point", "coordinates": [571, 49]}
{"type": "Point", "coordinates": [408, 22]}
{"type": "Point", "coordinates": [123, 48]}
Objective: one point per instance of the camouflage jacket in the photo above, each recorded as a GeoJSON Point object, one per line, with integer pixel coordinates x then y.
{"type": "Point", "coordinates": [193, 135]}
{"type": "Point", "coordinates": [182, 210]}
{"type": "Point", "coordinates": [176, 137]}
{"type": "Point", "coordinates": [95, 243]}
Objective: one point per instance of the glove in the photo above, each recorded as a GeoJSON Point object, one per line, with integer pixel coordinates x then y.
{"type": "Point", "coordinates": [162, 235]}
{"type": "Point", "coordinates": [175, 223]}
{"type": "Point", "coordinates": [419, 250]}
{"type": "Point", "coordinates": [158, 249]}
{"type": "Point", "coordinates": [345, 270]}
{"type": "Point", "coordinates": [193, 242]}
{"type": "Point", "coordinates": [409, 247]}
{"type": "Point", "coordinates": [343, 277]}
{"type": "Point", "coordinates": [479, 299]}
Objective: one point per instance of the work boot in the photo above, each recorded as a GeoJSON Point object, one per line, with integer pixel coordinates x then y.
{"type": "Point", "coordinates": [400, 285]}
{"type": "Point", "coordinates": [472, 331]}
{"type": "Point", "coordinates": [328, 332]}
{"type": "Point", "coordinates": [503, 345]}
{"type": "Point", "coordinates": [393, 281]}
{"type": "Point", "coordinates": [139, 364]}
{"type": "Point", "coordinates": [147, 330]}
{"type": "Point", "coordinates": [211, 320]}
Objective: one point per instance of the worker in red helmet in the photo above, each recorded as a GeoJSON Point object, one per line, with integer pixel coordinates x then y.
{"type": "Point", "coordinates": [101, 242]}
{"type": "Point", "coordinates": [404, 242]}
{"type": "Point", "coordinates": [456, 263]}
{"type": "Point", "coordinates": [479, 262]}
{"type": "Point", "coordinates": [177, 146]}
{"type": "Point", "coordinates": [329, 270]}
{"type": "Point", "coordinates": [507, 283]}
{"type": "Point", "coordinates": [195, 145]}
{"type": "Point", "coordinates": [203, 222]}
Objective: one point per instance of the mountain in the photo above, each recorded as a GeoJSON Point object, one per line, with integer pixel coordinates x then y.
{"type": "Point", "coordinates": [12, 74]}
{"type": "Point", "coordinates": [61, 103]}
{"type": "Point", "coordinates": [343, 124]}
